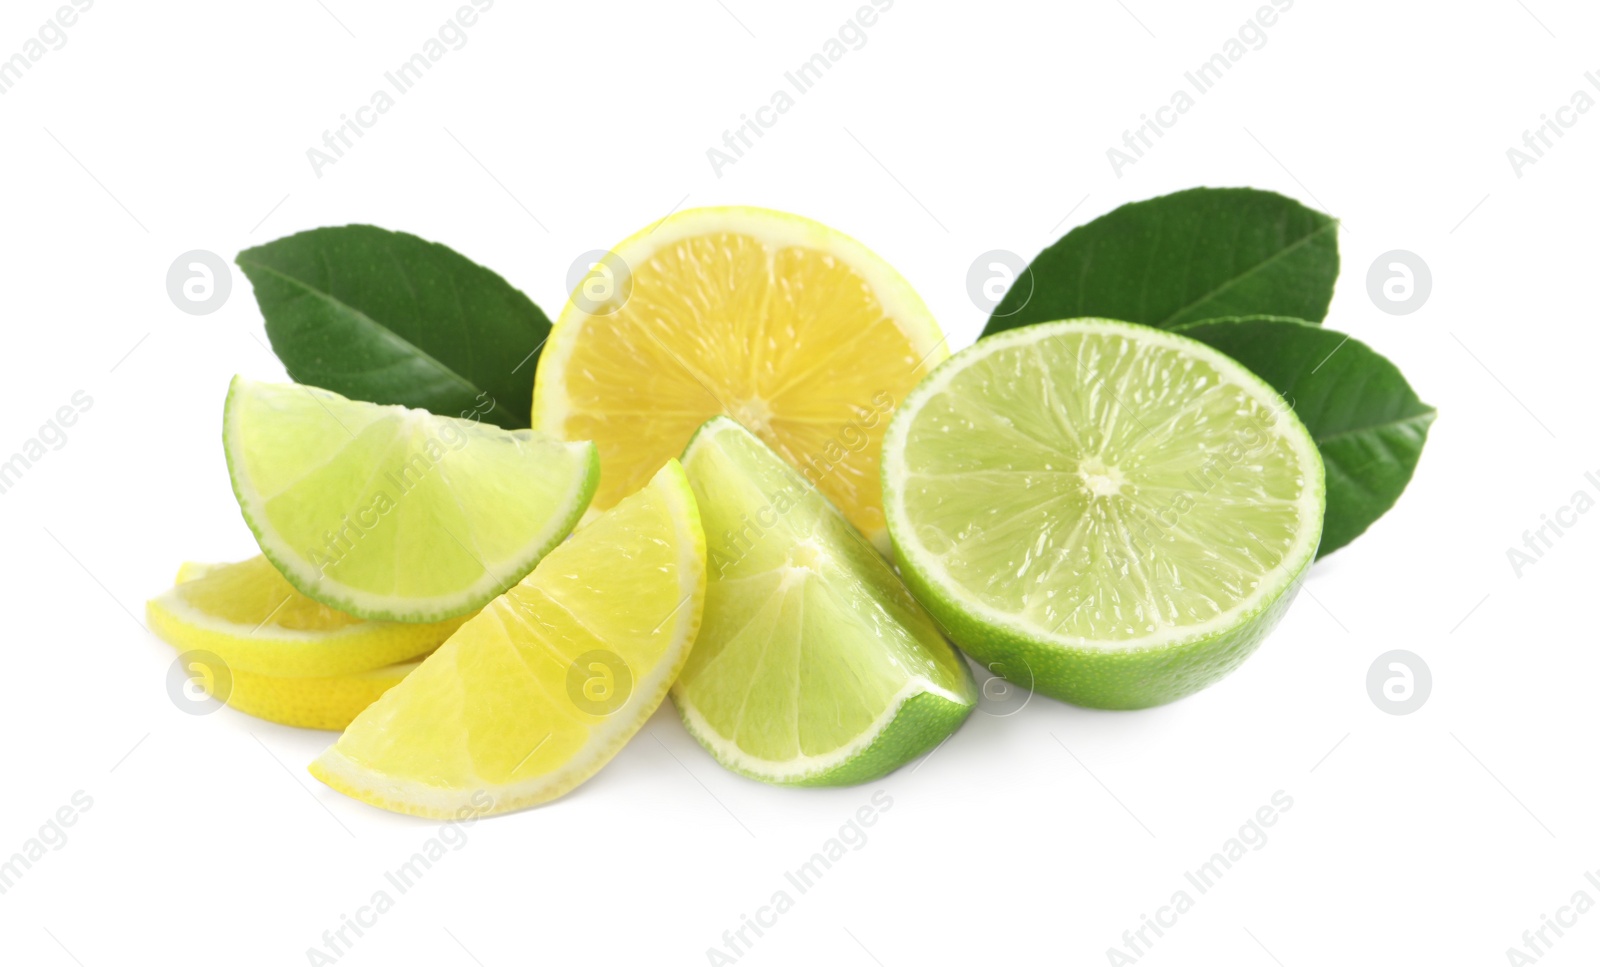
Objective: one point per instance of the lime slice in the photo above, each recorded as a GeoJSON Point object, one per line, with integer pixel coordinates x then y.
{"type": "Point", "coordinates": [392, 513]}
{"type": "Point", "coordinates": [814, 665]}
{"type": "Point", "coordinates": [1114, 513]}
{"type": "Point", "coordinates": [541, 689]}
{"type": "Point", "coordinates": [256, 622]}
{"type": "Point", "coordinates": [790, 327]}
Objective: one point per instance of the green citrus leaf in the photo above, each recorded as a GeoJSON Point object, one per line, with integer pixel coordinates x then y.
{"type": "Point", "coordinates": [1198, 254]}
{"type": "Point", "coordinates": [387, 317]}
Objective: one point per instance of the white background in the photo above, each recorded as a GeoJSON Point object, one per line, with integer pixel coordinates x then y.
{"type": "Point", "coordinates": [1435, 837]}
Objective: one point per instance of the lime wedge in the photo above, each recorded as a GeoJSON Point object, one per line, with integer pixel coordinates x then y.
{"type": "Point", "coordinates": [1113, 513]}
{"type": "Point", "coordinates": [814, 665]}
{"type": "Point", "coordinates": [541, 689]}
{"type": "Point", "coordinates": [392, 513]}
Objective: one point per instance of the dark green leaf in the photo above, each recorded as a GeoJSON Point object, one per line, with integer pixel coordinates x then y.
{"type": "Point", "coordinates": [1367, 421]}
{"type": "Point", "coordinates": [1199, 254]}
{"type": "Point", "coordinates": [391, 318]}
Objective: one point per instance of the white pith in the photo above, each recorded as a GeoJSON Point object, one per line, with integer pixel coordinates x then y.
{"type": "Point", "coordinates": [1271, 584]}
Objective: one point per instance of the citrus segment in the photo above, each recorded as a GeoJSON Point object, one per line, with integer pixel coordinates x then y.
{"type": "Point", "coordinates": [393, 513]}
{"type": "Point", "coordinates": [540, 689]}
{"type": "Point", "coordinates": [814, 665]}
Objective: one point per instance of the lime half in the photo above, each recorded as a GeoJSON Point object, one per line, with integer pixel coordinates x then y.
{"type": "Point", "coordinates": [396, 514]}
{"type": "Point", "coordinates": [1111, 512]}
{"type": "Point", "coordinates": [814, 664]}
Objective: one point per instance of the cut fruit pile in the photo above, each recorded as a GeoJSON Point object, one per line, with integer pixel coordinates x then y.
{"type": "Point", "coordinates": [1111, 514]}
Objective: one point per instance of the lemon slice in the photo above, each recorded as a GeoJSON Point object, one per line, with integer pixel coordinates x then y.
{"type": "Point", "coordinates": [329, 703]}
{"type": "Point", "coordinates": [314, 703]}
{"type": "Point", "coordinates": [257, 623]}
{"type": "Point", "coordinates": [541, 689]}
{"type": "Point", "coordinates": [793, 329]}
{"type": "Point", "coordinates": [396, 514]}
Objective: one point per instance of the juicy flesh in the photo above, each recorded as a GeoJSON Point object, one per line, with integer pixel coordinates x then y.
{"type": "Point", "coordinates": [498, 704]}
{"type": "Point", "coordinates": [791, 342]}
{"type": "Point", "coordinates": [1100, 488]}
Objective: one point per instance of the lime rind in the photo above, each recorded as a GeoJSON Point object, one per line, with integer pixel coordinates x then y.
{"type": "Point", "coordinates": [298, 570]}
{"type": "Point", "coordinates": [1123, 678]}
{"type": "Point", "coordinates": [1132, 672]}
{"type": "Point", "coordinates": [921, 718]}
